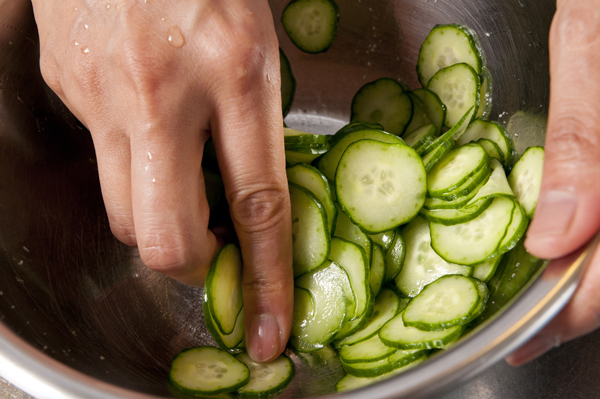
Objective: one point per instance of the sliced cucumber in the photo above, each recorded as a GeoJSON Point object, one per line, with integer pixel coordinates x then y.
{"type": "Point", "coordinates": [492, 149]}
{"type": "Point", "coordinates": [420, 136]}
{"type": "Point", "coordinates": [353, 127]}
{"type": "Point", "coordinates": [395, 333]}
{"type": "Point", "coordinates": [455, 169]}
{"type": "Point", "coordinates": [458, 87]}
{"type": "Point", "coordinates": [311, 24]}
{"type": "Point", "coordinates": [293, 137]}
{"type": "Point", "coordinates": [475, 241]}
{"type": "Point", "coordinates": [207, 371]}
{"type": "Point", "coordinates": [394, 257]}
{"type": "Point", "coordinates": [496, 186]}
{"type": "Point", "coordinates": [492, 131]}
{"type": "Point", "coordinates": [316, 323]}
{"type": "Point", "coordinates": [346, 229]}
{"type": "Point", "coordinates": [470, 184]}
{"type": "Point", "coordinates": [447, 45]}
{"type": "Point", "coordinates": [515, 231]}
{"type": "Point", "coordinates": [386, 306]}
{"type": "Point", "coordinates": [448, 137]}
{"type": "Point", "coordinates": [294, 157]}
{"type": "Point", "coordinates": [233, 342]}
{"type": "Point", "coordinates": [377, 270]}
{"type": "Point", "coordinates": [447, 302]}
{"type": "Point", "coordinates": [223, 288]}
{"type": "Point", "coordinates": [526, 178]}
{"type": "Point", "coordinates": [350, 382]}
{"type": "Point", "coordinates": [485, 95]}
{"type": "Point", "coordinates": [353, 259]}
{"type": "Point", "coordinates": [313, 180]}
{"type": "Point", "coordinates": [288, 83]}
{"type": "Point", "coordinates": [379, 185]}
{"type": "Point", "coordinates": [450, 217]}
{"type": "Point", "coordinates": [439, 152]}
{"type": "Point", "coordinates": [384, 239]}
{"type": "Point", "coordinates": [436, 203]}
{"type": "Point", "coordinates": [422, 264]}
{"type": "Point", "coordinates": [396, 360]}
{"type": "Point", "coordinates": [383, 101]}
{"type": "Point", "coordinates": [310, 230]}
{"type": "Point", "coordinates": [419, 117]}
{"type": "Point", "coordinates": [266, 378]}
{"type": "Point", "coordinates": [433, 106]}
{"type": "Point", "coordinates": [484, 271]}
{"type": "Point", "coordinates": [369, 350]}
{"type": "Point", "coordinates": [329, 162]}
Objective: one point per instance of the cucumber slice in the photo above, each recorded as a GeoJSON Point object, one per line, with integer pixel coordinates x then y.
{"type": "Point", "coordinates": [455, 169]}
{"type": "Point", "coordinates": [395, 333]}
{"type": "Point", "coordinates": [422, 264]}
{"type": "Point", "coordinates": [419, 118]}
{"type": "Point", "coordinates": [369, 350]}
{"type": "Point", "coordinates": [386, 306]}
{"type": "Point", "coordinates": [223, 288]}
{"type": "Point", "coordinates": [385, 239]}
{"type": "Point", "coordinates": [294, 157]}
{"type": "Point", "coordinates": [496, 186]}
{"type": "Point", "coordinates": [485, 95]}
{"type": "Point", "coordinates": [266, 378]}
{"type": "Point", "coordinates": [451, 135]}
{"type": "Point", "coordinates": [311, 24]}
{"type": "Point", "coordinates": [447, 45]}
{"type": "Point", "coordinates": [492, 131]}
{"type": "Point", "coordinates": [344, 228]}
{"type": "Point", "coordinates": [207, 371]}
{"type": "Point", "coordinates": [526, 178]}
{"type": "Point", "coordinates": [475, 241]}
{"type": "Point", "coordinates": [329, 162]}
{"type": "Point", "coordinates": [470, 184]}
{"type": "Point", "coordinates": [377, 270]}
{"type": "Point", "coordinates": [447, 302]}
{"type": "Point", "coordinates": [515, 231]}
{"type": "Point", "coordinates": [350, 382]}
{"type": "Point", "coordinates": [420, 136]}
{"type": "Point", "coordinates": [293, 137]}
{"type": "Point", "coordinates": [288, 83]}
{"type": "Point", "coordinates": [315, 323]}
{"type": "Point", "coordinates": [383, 101]}
{"type": "Point", "coordinates": [436, 203]}
{"type": "Point", "coordinates": [435, 156]}
{"type": "Point", "coordinates": [352, 259]}
{"type": "Point", "coordinates": [433, 106]}
{"type": "Point", "coordinates": [379, 185]}
{"type": "Point", "coordinates": [458, 87]}
{"type": "Point", "coordinates": [396, 360]}
{"type": "Point", "coordinates": [233, 342]}
{"type": "Point", "coordinates": [492, 149]}
{"type": "Point", "coordinates": [484, 271]}
{"type": "Point", "coordinates": [394, 257]}
{"type": "Point", "coordinates": [484, 295]}
{"type": "Point", "coordinates": [450, 217]}
{"type": "Point", "coordinates": [310, 231]}
{"type": "Point", "coordinates": [353, 127]}
{"type": "Point", "coordinates": [310, 178]}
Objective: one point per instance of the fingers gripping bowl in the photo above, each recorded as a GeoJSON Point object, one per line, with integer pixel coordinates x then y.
{"type": "Point", "coordinates": [82, 317]}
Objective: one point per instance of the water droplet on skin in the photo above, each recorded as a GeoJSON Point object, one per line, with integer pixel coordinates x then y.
{"type": "Point", "coordinates": [85, 50]}
{"type": "Point", "coordinates": [108, 6]}
{"type": "Point", "coordinates": [268, 78]}
{"type": "Point", "coordinates": [149, 155]}
{"type": "Point", "coordinates": [175, 37]}
{"type": "Point", "coordinates": [85, 26]}
{"type": "Point", "coordinates": [75, 43]}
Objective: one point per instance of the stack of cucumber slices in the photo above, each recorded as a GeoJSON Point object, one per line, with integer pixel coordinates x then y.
{"type": "Point", "coordinates": [407, 230]}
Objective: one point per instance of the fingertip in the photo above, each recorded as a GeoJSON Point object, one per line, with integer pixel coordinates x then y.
{"type": "Point", "coordinates": [264, 338]}
{"type": "Point", "coordinates": [533, 349]}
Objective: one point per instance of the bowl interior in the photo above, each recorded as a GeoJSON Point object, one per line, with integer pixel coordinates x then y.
{"type": "Point", "coordinates": [75, 294]}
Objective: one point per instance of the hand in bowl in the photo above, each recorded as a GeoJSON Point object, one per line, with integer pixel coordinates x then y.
{"type": "Point", "coordinates": [568, 211]}
{"type": "Point", "coordinates": [152, 81]}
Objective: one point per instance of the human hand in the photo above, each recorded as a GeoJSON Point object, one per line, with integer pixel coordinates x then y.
{"type": "Point", "coordinates": [151, 81]}
{"type": "Point", "coordinates": [568, 211]}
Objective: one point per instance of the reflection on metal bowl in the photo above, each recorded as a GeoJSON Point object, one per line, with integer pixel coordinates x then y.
{"type": "Point", "coordinates": [83, 318]}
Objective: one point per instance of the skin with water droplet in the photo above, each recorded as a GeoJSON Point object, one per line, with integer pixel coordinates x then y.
{"type": "Point", "coordinates": [175, 37]}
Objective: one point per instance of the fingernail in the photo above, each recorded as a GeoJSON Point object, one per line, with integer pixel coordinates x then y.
{"type": "Point", "coordinates": [554, 214]}
{"type": "Point", "coordinates": [533, 349]}
{"type": "Point", "coordinates": [265, 338]}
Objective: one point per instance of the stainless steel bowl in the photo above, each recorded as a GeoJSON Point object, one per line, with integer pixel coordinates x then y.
{"type": "Point", "coordinates": [83, 318]}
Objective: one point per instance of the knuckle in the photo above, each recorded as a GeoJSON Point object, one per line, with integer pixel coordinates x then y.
{"type": "Point", "coordinates": [260, 210]}
{"type": "Point", "coordinates": [125, 232]}
{"type": "Point", "coordinates": [573, 140]}
{"type": "Point", "coordinates": [167, 254]}
{"type": "Point", "coordinates": [50, 70]}
{"type": "Point", "coordinates": [264, 286]}
{"type": "Point", "coordinates": [576, 24]}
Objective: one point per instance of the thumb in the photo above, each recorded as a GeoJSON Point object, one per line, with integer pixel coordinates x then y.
{"type": "Point", "coordinates": [568, 210]}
